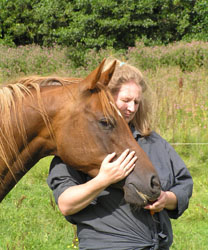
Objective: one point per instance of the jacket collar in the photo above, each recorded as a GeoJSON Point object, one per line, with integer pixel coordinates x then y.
{"type": "Point", "coordinates": [135, 132]}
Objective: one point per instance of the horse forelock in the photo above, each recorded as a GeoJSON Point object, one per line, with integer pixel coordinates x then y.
{"type": "Point", "coordinates": [106, 100]}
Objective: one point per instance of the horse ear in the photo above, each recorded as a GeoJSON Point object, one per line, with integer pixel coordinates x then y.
{"type": "Point", "coordinates": [90, 81]}
{"type": "Point", "coordinates": [107, 75]}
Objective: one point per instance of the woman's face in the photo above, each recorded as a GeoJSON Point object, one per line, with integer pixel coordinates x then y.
{"type": "Point", "coordinates": [128, 99]}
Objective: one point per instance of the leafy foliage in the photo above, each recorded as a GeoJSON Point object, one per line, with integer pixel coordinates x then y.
{"type": "Point", "coordinates": [90, 24]}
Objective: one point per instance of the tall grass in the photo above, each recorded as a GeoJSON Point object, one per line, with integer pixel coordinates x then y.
{"type": "Point", "coordinates": [32, 59]}
{"type": "Point", "coordinates": [180, 107]}
{"type": "Point", "coordinates": [187, 56]}
{"type": "Point", "coordinates": [178, 79]}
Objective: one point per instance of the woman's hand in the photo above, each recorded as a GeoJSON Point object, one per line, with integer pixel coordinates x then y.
{"type": "Point", "coordinates": [114, 171]}
{"type": "Point", "coordinates": [166, 200]}
{"type": "Point", "coordinates": [77, 197]}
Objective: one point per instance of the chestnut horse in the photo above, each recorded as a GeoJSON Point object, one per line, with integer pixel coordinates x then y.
{"type": "Point", "coordinates": [75, 119]}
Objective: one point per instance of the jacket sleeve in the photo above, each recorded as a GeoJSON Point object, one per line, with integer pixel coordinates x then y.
{"type": "Point", "coordinates": [62, 177]}
{"type": "Point", "coordinates": [183, 184]}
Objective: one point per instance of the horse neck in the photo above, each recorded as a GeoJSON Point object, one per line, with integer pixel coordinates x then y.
{"type": "Point", "coordinates": [39, 141]}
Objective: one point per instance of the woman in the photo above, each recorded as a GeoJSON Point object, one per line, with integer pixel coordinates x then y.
{"type": "Point", "coordinates": [103, 219]}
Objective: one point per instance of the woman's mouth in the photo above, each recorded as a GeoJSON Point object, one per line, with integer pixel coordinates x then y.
{"type": "Point", "coordinates": [128, 116]}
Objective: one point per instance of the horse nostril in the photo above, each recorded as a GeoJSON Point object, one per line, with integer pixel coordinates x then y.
{"type": "Point", "coordinates": [155, 183]}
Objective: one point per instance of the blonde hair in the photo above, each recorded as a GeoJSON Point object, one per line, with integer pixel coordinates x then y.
{"type": "Point", "coordinates": [123, 73]}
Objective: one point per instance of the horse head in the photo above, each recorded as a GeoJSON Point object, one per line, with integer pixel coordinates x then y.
{"type": "Point", "coordinates": [95, 128]}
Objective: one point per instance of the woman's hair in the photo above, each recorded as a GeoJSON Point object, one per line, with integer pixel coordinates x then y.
{"type": "Point", "coordinates": [123, 73]}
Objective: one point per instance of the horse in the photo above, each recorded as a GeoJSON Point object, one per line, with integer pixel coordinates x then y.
{"type": "Point", "coordinates": [75, 119]}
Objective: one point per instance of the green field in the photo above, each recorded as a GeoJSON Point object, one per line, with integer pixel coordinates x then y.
{"type": "Point", "coordinates": [30, 219]}
{"type": "Point", "coordinates": [178, 78]}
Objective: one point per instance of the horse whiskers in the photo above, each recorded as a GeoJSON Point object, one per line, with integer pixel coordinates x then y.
{"type": "Point", "coordinates": [135, 207]}
{"type": "Point", "coordinates": [144, 197]}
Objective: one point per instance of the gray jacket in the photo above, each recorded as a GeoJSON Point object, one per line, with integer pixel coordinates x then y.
{"type": "Point", "coordinates": [108, 223]}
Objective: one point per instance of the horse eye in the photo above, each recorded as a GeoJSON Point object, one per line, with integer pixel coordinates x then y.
{"type": "Point", "coordinates": [107, 123]}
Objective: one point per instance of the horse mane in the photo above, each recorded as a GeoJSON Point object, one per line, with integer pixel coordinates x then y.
{"type": "Point", "coordinates": [43, 81]}
{"type": "Point", "coordinates": [11, 100]}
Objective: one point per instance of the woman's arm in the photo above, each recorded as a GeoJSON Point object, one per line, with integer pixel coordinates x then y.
{"type": "Point", "coordinates": [75, 198]}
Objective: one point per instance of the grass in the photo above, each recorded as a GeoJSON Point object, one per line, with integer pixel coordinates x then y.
{"type": "Point", "coordinates": [28, 215]}
{"type": "Point", "coordinates": [179, 101]}
{"type": "Point", "coordinates": [30, 218]}
{"type": "Point", "coordinates": [191, 229]}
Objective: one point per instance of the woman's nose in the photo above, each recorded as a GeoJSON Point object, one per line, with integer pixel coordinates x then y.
{"type": "Point", "coordinates": [131, 106]}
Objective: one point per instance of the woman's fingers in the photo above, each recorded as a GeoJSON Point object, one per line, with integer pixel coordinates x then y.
{"type": "Point", "coordinates": [109, 157]}
{"type": "Point", "coordinates": [122, 157]}
{"type": "Point", "coordinates": [129, 160]}
{"type": "Point", "coordinates": [158, 205]}
{"type": "Point", "coordinates": [126, 159]}
{"type": "Point", "coordinates": [129, 169]}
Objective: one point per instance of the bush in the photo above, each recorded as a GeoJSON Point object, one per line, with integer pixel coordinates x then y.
{"type": "Point", "coordinates": [83, 25]}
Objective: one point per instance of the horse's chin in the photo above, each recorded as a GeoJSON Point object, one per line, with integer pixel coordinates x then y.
{"type": "Point", "coordinates": [135, 197]}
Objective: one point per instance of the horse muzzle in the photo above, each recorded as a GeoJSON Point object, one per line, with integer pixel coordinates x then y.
{"type": "Point", "coordinates": [140, 193]}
